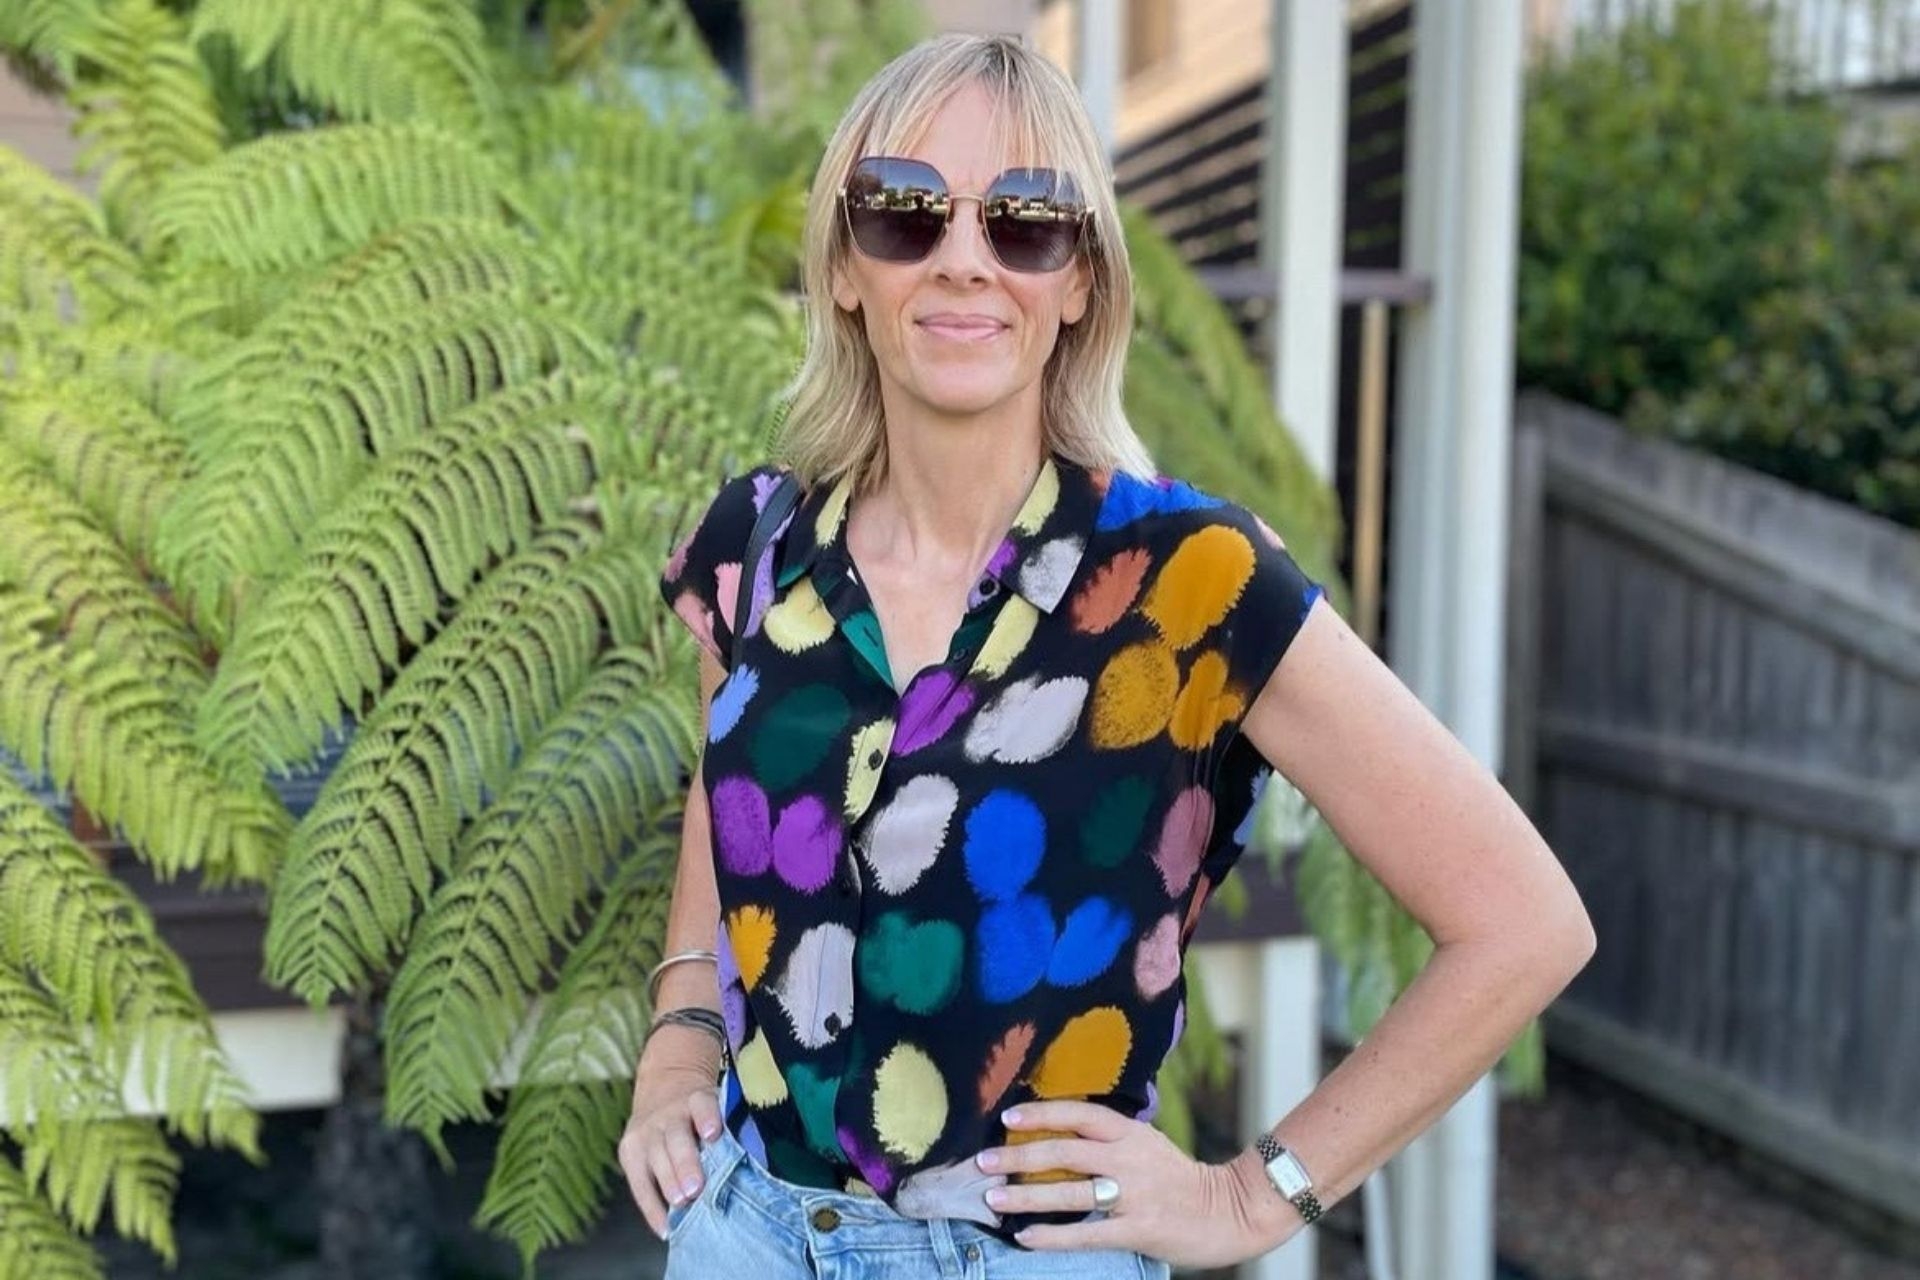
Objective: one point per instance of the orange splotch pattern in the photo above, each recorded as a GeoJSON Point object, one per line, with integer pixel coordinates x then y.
{"type": "Point", "coordinates": [946, 893]}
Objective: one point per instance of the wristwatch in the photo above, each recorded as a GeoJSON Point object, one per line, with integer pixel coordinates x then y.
{"type": "Point", "coordinates": [1288, 1176]}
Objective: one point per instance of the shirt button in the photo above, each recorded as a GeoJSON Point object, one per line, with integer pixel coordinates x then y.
{"type": "Point", "coordinates": [825, 1219]}
{"type": "Point", "coordinates": [833, 1024]}
{"type": "Point", "coordinates": [875, 757]}
{"type": "Point", "coordinates": [989, 586]}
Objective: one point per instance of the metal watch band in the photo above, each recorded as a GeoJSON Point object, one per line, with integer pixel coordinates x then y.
{"type": "Point", "coordinates": [1302, 1197]}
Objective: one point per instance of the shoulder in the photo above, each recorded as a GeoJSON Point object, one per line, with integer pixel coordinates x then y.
{"type": "Point", "coordinates": [1165, 511]}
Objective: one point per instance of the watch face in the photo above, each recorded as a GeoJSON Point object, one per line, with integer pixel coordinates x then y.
{"type": "Point", "coordinates": [1288, 1175]}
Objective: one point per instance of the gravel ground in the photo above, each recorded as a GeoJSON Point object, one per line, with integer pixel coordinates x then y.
{"type": "Point", "coordinates": [1593, 1184]}
{"type": "Point", "coordinates": [1598, 1184]}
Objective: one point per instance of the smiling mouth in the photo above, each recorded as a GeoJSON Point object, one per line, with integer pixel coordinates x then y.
{"type": "Point", "coordinates": [962, 332]}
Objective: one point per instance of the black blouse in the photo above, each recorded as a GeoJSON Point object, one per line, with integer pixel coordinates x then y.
{"type": "Point", "coordinates": [940, 901]}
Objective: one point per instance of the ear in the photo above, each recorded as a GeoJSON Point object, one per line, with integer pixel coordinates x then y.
{"type": "Point", "coordinates": [1079, 290]}
{"type": "Point", "coordinates": [844, 295]}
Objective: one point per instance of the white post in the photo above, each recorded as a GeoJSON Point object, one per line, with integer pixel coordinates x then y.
{"type": "Point", "coordinates": [1301, 210]}
{"type": "Point", "coordinates": [1099, 67]}
{"type": "Point", "coordinates": [1449, 527]}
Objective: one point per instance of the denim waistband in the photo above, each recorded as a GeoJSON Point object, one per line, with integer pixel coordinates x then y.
{"type": "Point", "coordinates": [828, 1221]}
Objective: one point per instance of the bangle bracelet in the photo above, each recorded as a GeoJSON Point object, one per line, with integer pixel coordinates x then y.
{"type": "Point", "coordinates": [653, 978]}
{"type": "Point", "coordinates": [707, 1020]}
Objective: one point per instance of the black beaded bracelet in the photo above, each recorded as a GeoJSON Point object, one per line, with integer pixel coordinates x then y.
{"type": "Point", "coordinates": [705, 1019]}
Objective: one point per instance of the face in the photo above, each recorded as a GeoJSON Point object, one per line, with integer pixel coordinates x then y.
{"type": "Point", "coordinates": [957, 334]}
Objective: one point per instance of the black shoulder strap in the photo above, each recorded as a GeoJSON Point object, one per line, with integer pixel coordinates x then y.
{"type": "Point", "coordinates": [779, 503]}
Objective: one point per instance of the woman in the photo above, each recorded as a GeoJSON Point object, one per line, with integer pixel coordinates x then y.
{"type": "Point", "coordinates": [984, 741]}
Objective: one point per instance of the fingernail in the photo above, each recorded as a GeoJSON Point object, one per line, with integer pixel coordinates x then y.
{"type": "Point", "coordinates": [690, 1189]}
{"type": "Point", "coordinates": [988, 1160]}
{"type": "Point", "coordinates": [1011, 1115]}
{"type": "Point", "coordinates": [997, 1197]}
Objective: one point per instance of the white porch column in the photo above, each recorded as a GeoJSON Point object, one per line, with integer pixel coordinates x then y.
{"type": "Point", "coordinates": [1302, 203]}
{"type": "Point", "coordinates": [1098, 67]}
{"type": "Point", "coordinates": [1449, 522]}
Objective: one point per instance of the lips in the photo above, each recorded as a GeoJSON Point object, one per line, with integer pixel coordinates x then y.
{"type": "Point", "coordinates": [964, 328]}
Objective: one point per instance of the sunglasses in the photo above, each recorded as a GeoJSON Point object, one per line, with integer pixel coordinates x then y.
{"type": "Point", "coordinates": [897, 210]}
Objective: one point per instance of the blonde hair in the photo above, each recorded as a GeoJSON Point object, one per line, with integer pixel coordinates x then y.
{"type": "Point", "coordinates": [834, 422]}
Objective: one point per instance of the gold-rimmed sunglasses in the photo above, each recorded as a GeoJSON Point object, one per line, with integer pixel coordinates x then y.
{"type": "Point", "coordinates": [897, 209]}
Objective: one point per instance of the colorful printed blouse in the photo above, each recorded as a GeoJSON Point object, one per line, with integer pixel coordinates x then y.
{"type": "Point", "coordinates": [939, 901]}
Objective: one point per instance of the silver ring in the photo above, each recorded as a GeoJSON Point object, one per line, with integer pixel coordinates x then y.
{"type": "Point", "coordinates": [1106, 1193]}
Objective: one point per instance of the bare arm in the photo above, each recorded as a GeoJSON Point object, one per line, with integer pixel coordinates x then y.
{"type": "Point", "coordinates": [1437, 829]}
{"type": "Point", "coordinates": [692, 922]}
{"type": "Point", "coordinates": [673, 1093]}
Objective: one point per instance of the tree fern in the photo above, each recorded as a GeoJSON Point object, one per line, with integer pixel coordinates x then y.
{"type": "Point", "coordinates": [556, 1151]}
{"type": "Point", "coordinates": [93, 948]}
{"type": "Point", "coordinates": [36, 1244]}
{"type": "Point", "coordinates": [521, 877]}
{"type": "Point", "coordinates": [314, 429]}
{"type": "Point", "coordinates": [425, 524]}
{"type": "Point", "coordinates": [372, 60]}
{"type": "Point", "coordinates": [106, 730]}
{"type": "Point", "coordinates": [146, 109]}
{"type": "Point", "coordinates": [442, 740]}
{"type": "Point", "coordinates": [52, 549]}
{"type": "Point", "coordinates": [52, 240]}
{"type": "Point", "coordinates": [110, 453]}
{"type": "Point", "coordinates": [289, 201]}
{"type": "Point", "coordinates": [82, 1166]}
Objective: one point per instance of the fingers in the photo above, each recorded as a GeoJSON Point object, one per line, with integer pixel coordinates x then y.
{"type": "Point", "coordinates": [1076, 1154]}
{"type": "Point", "coordinates": [1075, 1196]}
{"type": "Point", "coordinates": [675, 1162]}
{"type": "Point", "coordinates": [705, 1110]}
{"type": "Point", "coordinates": [1089, 1119]}
{"type": "Point", "coordinates": [641, 1184]}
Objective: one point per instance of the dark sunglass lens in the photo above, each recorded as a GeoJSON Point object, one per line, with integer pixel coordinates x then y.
{"type": "Point", "coordinates": [888, 209]}
{"type": "Point", "coordinates": [1034, 218]}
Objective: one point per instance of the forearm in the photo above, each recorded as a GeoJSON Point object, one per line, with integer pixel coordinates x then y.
{"type": "Point", "coordinates": [1448, 1028]}
{"type": "Point", "coordinates": [693, 919]}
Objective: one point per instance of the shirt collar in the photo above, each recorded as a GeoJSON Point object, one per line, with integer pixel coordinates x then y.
{"type": "Point", "coordinates": [1038, 558]}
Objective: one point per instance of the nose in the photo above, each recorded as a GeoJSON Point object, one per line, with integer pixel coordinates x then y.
{"type": "Point", "coordinates": [963, 249]}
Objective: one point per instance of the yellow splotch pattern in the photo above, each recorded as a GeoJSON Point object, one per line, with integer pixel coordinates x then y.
{"type": "Point", "coordinates": [909, 1101]}
{"type": "Point", "coordinates": [1134, 696]}
{"type": "Point", "coordinates": [1198, 584]}
{"type": "Point", "coordinates": [751, 930]}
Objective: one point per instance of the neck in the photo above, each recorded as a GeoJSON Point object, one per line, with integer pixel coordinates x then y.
{"type": "Point", "coordinates": [951, 486]}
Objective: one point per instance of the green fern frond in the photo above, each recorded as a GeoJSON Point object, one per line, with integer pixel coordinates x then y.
{"type": "Point", "coordinates": [50, 546]}
{"type": "Point", "coordinates": [52, 242]}
{"type": "Point", "coordinates": [556, 1151]}
{"type": "Point", "coordinates": [120, 742]}
{"type": "Point", "coordinates": [291, 200]}
{"type": "Point", "coordinates": [314, 429]}
{"type": "Point", "coordinates": [137, 351]}
{"type": "Point", "coordinates": [442, 738]}
{"type": "Point", "coordinates": [146, 107]}
{"type": "Point", "coordinates": [82, 1165]}
{"type": "Point", "coordinates": [425, 524]}
{"type": "Point", "coordinates": [36, 1244]}
{"type": "Point", "coordinates": [94, 947]}
{"type": "Point", "coordinates": [372, 60]}
{"type": "Point", "coordinates": [435, 260]}
{"type": "Point", "coordinates": [47, 1068]}
{"type": "Point", "coordinates": [109, 452]}
{"type": "Point", "coordinates": [521, 877]}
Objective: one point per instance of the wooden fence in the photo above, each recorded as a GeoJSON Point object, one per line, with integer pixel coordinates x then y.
{"type": "Point", "coordinates": [1714, 719]}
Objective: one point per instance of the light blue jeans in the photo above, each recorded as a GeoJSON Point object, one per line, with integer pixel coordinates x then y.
{"type": "Point", "coordinates": [747, 1223]}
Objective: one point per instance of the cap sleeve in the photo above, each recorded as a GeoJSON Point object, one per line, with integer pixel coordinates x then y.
{"type": "Point", "coordinates": [701, 579]}
{"type": "Point", "coordinates": [1271, 607]}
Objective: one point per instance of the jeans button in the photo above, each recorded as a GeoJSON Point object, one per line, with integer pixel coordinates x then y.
{"type": "Point", "coordinates": [826, 1219]}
